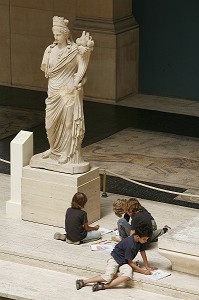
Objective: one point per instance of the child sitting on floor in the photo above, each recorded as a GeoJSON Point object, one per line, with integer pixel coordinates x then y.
{"type": "Point", "coordinates": [122, 261]}
{"type": "Point", "coordinates": [76, 223]}
{"type": "Point", "coordinates": [131, 208]}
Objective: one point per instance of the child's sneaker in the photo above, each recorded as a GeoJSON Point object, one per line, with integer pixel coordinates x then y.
{"type": "Point", "coordinates": [59, 236]}
{"type": "Point", "coordinates": [79, 284]}
{"type": "Point", "coordinates": [74, 243]}
{"type": "Point", "coordinates": [154, 241]}
{"type": "Point", "coordinates": [166, 228]}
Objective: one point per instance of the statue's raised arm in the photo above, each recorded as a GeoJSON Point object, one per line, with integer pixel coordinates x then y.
{"type": "Point", "coordinates": [85, 46]}
{"type": "Point", "coordinates": [65, 63]}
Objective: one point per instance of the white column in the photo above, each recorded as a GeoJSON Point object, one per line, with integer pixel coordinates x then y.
{"type": "Point", "coordinates": [21, 151]}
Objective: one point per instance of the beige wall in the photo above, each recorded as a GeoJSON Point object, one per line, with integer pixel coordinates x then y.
{"type": "Point", "coordinates": [25, 26]}
{"type": "Point", "coordinates": [5, 68]}
{"type": "Point", "coordinates": [25, 29]}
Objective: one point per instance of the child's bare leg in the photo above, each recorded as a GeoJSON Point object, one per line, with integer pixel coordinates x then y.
{"type": "Point", "coordinates": [80, 283]}
{"type": "Point", "coordinates": [117, 281]}
{"type": "Point", "coordinates": [102, 286]}
{"type": "Point", "coordinates": [94, 279]}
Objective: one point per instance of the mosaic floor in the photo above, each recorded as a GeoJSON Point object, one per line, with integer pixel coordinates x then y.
{"type": "Point", "coordinates": [12, 120]}
{"type": "Point", "coordinates": [150, 156]}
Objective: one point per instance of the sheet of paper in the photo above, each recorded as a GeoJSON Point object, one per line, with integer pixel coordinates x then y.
{"type": "Point", "coordinates": [158, 274]}
{"type": "Point", "coordinates": [116, 232]}
{"type": "Point", "coordinates": [102, 247]}
{"type": "Point", "coordinates": [104, 230]}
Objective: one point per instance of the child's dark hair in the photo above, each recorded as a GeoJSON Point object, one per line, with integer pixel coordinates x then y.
{"type": "Point", "coordinates": [79, 200]}
{"type": "Point", "coordinates": [144, 230]}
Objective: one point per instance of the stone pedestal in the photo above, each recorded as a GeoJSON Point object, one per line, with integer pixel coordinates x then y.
{"type": "Point", "coordinates": [181, 247]}
{"type": "Point", "coordinates": [46, 195]}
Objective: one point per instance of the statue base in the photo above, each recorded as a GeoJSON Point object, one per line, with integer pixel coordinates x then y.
{"type": "Point", "coordinates": [46, 195]}
{"type": "Point", "coordinates": [37, 161]}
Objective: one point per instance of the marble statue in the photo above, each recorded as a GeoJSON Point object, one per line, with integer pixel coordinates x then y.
{"type": "Point", "coordinates": [65, 63]}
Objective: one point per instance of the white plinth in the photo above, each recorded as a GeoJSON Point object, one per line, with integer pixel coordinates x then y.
{"type": "Point", "coordinates": [21, 150]}
{"type": "Point", "coordinates": [13, 209]}
{"type": "Point", "coordinates": [46, 194]}
{"type": "Point", "coordinates": [181, 247]}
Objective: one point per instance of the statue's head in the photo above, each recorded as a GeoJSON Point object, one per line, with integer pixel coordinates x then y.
{"type": "Point", "coordinates": [61, 25]}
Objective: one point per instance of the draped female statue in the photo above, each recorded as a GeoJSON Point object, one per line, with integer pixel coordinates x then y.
{"type": "Point", "coordinates": [65, 63]}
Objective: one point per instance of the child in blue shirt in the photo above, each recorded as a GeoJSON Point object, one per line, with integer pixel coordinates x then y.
{"type": "Point", "coordinates": [122, 261]}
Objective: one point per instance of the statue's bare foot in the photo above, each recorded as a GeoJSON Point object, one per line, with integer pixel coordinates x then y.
{"type": "Point", "coordinates": [63, 159]}
{"type": "Point", "coordinates": [46, 154]}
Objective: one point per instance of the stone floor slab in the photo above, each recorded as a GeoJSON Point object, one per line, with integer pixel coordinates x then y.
{"type": "Point", "coordinates": [40, 284]}
{"type": "Point", "coordinates": [33, 245]}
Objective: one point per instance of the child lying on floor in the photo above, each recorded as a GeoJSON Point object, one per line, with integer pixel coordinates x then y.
{"type": "Point", "coordinates": [122, 261]}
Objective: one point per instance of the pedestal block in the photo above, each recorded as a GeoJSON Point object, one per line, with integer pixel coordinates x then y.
{"type": "Point", "coordinates": [46, 194]}
{"type": "Point", "coordinates": [181, 247]}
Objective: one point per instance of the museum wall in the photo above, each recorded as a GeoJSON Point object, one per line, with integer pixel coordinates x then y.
{"type": "Point", "coordinates": [169, 47]}
{"type": "Point", "coordinates": [26, 32]}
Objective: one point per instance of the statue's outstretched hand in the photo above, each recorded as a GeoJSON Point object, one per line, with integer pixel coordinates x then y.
{"type": "Point", "coordinates": [81, 83]}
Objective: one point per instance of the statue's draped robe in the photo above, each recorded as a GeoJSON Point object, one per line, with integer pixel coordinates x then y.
{"type": "Point", "coordinates": [64, 105]}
